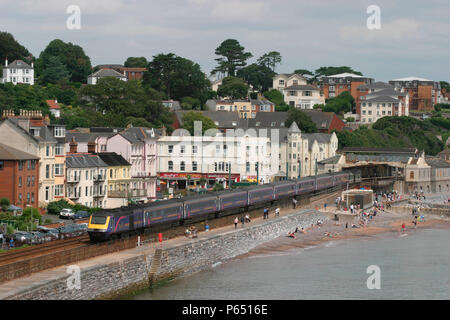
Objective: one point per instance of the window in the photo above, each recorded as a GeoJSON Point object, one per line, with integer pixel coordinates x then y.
{"type": "Point", "coordinates": [194, 165]}
{"type": "Point", "coordinates": [20, 165]}
{"type": "Point", "coordinates": [20, 182]}
{"type": "Point", "coordinates": [170, 148]}
{"type": "Point", "coordinates": [59, 149]}
{"type": "Point", "coordinates": [28, 181]}
{"type": "Point", "coordinates": [194, 149]}
{"type": "Point", "coordinates": [182, 166]}
{"type": "Point", "coordinates": [247, 166]}
{"type": "Point", "coordinates": [47, 192]}
{"type": "Point", "coordinates": [307, 93]}
{"type": "Point", "coordinates": [47, 151]}
{"type": "Point", "coordinates": [28, 197]}
{"type": "Point", "coordinates": [281, 82]}
{"type": "Point", "coordinates": [32, 197]}
{"type": "Point", "coordinates": [170, 165]}
{"type": "Point", "coordinates": [59, 169]}
{"type": "Point", "coordinates": [87, 175]}
{"type": "Point", "coordinates": [28, 164]}
{"type": "Point", "coordinates": [33, 164]}
{"type": "Point", "coordinates": [60, 132]}
{"type": "Point", "coordinates": [59, 190]}
{"type": "Point", "coordinates": [20, 197]}
{"type": "Point", "coordinates": [182, 148]}
{"type": "Point", "coordinates": [295, 82]}
{"type": "Point", "coordinates": [32, 181]}
{"type": "Point", "coordinates": [47, 171]}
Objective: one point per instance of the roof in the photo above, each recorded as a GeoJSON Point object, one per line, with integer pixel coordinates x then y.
{"type": "Point", "coordinates": [322, 120]}
{"type": "Point", "coordinates": [288, 75]}
{"type": "Point", "coordinates": [438, 163]}
{"type": "Point", "coordinates": [107, 73]}
{"type": "Point", "coordinates": [53, 104]}
{"type": "Point", "coordinates": [130, 69]}
{"type": "Point", "coordinates": [9, 153]}
{"type": "Point", "coordinates": [84, 160]}
{"type": "Point", "coordinates": [319, 137]}
{"type": "Point", "coordinates": [45, 135]}
{"type": "Point", "coordinates": [86, 137]}
{"type": "Point", "coordinates": [412, 78]}
{"type": "Point", "coordinates": [294, 128]}
{"type": "Point", "coordinates": [301, 87]}
{"type": "Point", "coordinates": [137, 134]}
{"type": "Point", "coordinates": [376, 85]}
{"type": "Point", "coordinates": [344, 75]}
{"type": "Point", "coordinates": [331, 160]}
{"type": "Point", "coordinates": [113, 159]}
{"type": "Point", "coordinates": [382, 99]}
{"type": "Point", "coordinates": [18, 64]}
{"type": "Point", "coordinates": [380, 150]}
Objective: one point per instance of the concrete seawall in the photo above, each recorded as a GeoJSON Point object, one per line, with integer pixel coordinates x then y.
{"type": "Point", "coordinates": [129, 270]}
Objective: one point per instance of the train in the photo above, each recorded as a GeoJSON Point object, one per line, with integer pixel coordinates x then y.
{"type": "Point", "coordinates": [109, 224]}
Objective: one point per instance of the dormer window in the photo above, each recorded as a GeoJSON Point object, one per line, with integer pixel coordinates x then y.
{"type": "Point", "coordinates": [35, 132]}
{"type": "Point", "coordinates": [60, 132]}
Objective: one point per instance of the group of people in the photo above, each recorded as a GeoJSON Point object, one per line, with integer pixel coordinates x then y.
{"type": "Point", "coordinates": [266, 212]}
{"type": "Point", "coordinates": [191, 232]}
{"type": "Point", "coordinates": [243, 219]}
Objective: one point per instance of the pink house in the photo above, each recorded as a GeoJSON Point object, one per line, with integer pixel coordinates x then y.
{"type": "Point", "coordinates": [139, 147]}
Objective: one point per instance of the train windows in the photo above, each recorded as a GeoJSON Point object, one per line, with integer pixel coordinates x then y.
{"type": "Point", "coordinates": [98, 219]}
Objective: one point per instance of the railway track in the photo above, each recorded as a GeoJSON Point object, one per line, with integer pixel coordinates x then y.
{"type": "Point", "coordinates": [41, 249]}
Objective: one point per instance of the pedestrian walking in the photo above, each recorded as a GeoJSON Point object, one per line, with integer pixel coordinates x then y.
{"type": "Point", "coordinates": [266, 213]}
{"type": "Point", "coordinates": [242, 221]}
{"type": "Point", "coordinates": [294, 203]}
{"type": "Point", "coordinates": [236, 221]}
{"type": "Point", "coordinates": [277, 212]}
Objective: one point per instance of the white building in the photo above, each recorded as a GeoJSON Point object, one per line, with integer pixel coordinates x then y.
{"type": "Point", "coordinates": [303, 96]}
{"type": "Point", "coordinates": [18, 72]}
{"type": "Point", "coordinates": [86, 180]}
{"type": "Point", "coordinates": [103, 73]}
{"type": "Point", "coordinates": [284, 80]}
{"type": "Point", "coordinates": [236, 154]}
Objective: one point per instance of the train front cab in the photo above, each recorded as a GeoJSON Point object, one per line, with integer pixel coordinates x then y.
{"type": "Point", "coordinates": [100, 226]}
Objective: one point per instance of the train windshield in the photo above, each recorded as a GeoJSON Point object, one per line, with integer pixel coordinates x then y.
{"type": "Point", "coordinates": [98, 220]}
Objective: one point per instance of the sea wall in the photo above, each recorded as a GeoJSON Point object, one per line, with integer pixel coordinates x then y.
{"type": "Point", "coordinates": [120, 277]}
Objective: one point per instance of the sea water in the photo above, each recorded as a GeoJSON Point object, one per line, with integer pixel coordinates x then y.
{"type": "Point", "coordinates": [415, 266]}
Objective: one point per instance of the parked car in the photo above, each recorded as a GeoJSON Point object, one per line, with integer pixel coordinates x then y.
{"type": "Point", "coordinates": [22, 237]}
{"type": "Point", "coordinates": [51, 232]}
{"type": "Point", "coordinates": [80, 215]}
{"type": "Point", "coordinates": [41, 236]}
{"type": "Point", "coordinates": [66, 213]}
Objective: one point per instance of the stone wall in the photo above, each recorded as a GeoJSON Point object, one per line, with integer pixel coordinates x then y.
{"type": "Point", "coordinates": [111, 280]}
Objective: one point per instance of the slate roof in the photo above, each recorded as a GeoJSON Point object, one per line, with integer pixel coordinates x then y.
{"type": "Point", "coordinates": [437, 163]}
{"type": "Point", "coordinates": [319, 137]}
{"type": "Point", "coordinates": [331, 160]}
{"type": "Point", "coordinates": [301, 87]}
{"type": "Point", "coordinates": [45, 135]}
{"type": "Point", "coordinates": [137, 134]}
{"type": "Point", "coordinates": [376, 85]}
{"type": "Point", "coordinates": [380, 150]}
{"type": "Point", "coordinates": [107, 73]}
{"type": "Point", "coordinates": [86, 137]}
{"type": "Point", "coordinates": [82, 160]}
{"type": "Point", "coordinates": [322, 120]}
{"type": "Point", "coordinates": [18, 64]}
{"type": "Point", "coordinates": [382, 99]}
{"type": "Point", "coordinates": [225, 119]}
{"type": "Point", "coordinates": [113, 159]}
{"type": "Point", "coordinates": [9, 153]}
{"type": "Point", "coordinates": [386, 92]}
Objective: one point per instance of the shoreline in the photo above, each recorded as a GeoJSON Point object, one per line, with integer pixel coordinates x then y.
{"type": "Point", "coordinates": [385, 223]}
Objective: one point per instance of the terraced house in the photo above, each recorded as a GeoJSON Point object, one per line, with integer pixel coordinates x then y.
{"type": "Point", "coordinates": [30, 132]}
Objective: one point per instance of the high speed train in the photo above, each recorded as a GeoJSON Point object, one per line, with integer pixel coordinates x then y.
{"type": "Point", "coordinates": [114, 223]}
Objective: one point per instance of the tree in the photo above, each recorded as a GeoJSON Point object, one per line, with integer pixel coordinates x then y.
{"type": "Point", "coordinates": [340, 104]}
{"type": "Point", "coordinates": [177, 77]}
{"type": "Point", "coordinates": [189, 103]}
{"type": "Point", "coordinates": [4, 204]}
{"type": "Point", "coordinates": [233, 87]}
{"type": "Point", "coordinates": [190, 118]}
{"type": "Point", "coordinates": [270, 60]}
{"type": "Point", "coordinates": [277, 98]}
{"type": "Point", "coordinates": [260, 77]}
{"type": "Point", "coordinates": [233, 57]}
{"type": "Point", "coordinates": [445, 85]}
{"type": "Point", "coordinates": [55, 71]}
{"type": "Point", "coordinates": [111, 101]}
{"type": "Point", "coordinates": [136, 62]}
{"type": "Point", "coordinates": [303, 120]}
{"type": "Point", "coordinates": [11, 49]}
{"type": "Point", "coordinates": [304, 72]}
{"type": "Point", "coordinates": [77, 63]}
{"type": "Point", "coordinates": [329, 71]}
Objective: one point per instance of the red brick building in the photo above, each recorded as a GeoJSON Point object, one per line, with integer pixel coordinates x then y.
{"type": "Point", "coordinates": [423, 93]}
{"type": "Point", "coordinates": [19, 177]}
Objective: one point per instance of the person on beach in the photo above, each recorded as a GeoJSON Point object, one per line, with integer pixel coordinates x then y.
{"type": "Point", "coordinates": [266, 213]}
{"type": "Point", "coordinates": [242, 221]}
{"type": "Point", "coordinates": [277, 212]}
{"type": "Point", "coordinates": [236, 221]}
{"type": "Point", "coordinates": [346, 225]}
{"type": "Point", "coordinates": [403, 227]}
{"type": "Point", "coordinates": [247, 218]}
{"type": "Point", "coordinates": [294, 203]}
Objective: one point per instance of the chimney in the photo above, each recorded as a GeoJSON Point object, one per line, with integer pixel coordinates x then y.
{"type": "Point", "coordinates": [73, 145]}
{"type": "Point", "coordinates": [6, 62]}
{"type": "Point", "coordinates": [46, 120]}
{"type": "Point", "coordinates": [32, 65]}
{"type": "Point", "coordinates": [91, 147]}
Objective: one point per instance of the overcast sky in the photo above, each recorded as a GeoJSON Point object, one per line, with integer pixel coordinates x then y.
{"type": "Point", "coordinates": [414, 39]}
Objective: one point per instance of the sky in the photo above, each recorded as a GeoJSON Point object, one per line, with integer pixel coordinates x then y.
{"type": "Point", "coordinates": [413, 38]}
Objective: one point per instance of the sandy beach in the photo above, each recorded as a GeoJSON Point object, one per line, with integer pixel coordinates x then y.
{"type": "Point", "coordinates": [384, 222]}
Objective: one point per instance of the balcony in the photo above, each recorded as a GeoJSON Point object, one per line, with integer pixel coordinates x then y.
{"type": "Point", "coordinates": [136, 193]}
{"type": "Point", "coordinates": [99, 178]}
{"type": "Point", "coordinates": [73, 179]}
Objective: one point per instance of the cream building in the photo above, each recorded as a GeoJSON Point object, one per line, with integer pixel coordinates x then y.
{"type": "Point", "coordinates": [303, 96]}
{"type": "Point", "coordinates": [236, 154]}
{"type": "Point", "coordinates": [284, 80]}
{"type": "Point", "coordinates": [86, 180]}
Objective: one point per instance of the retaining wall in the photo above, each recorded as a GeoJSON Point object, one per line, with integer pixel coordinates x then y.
{"type": "Point", "coordinates": [113, 279]}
